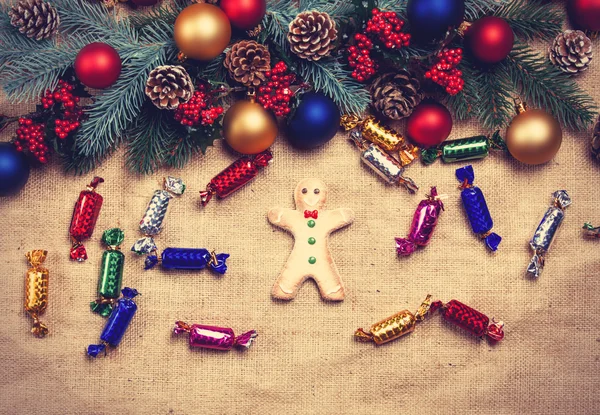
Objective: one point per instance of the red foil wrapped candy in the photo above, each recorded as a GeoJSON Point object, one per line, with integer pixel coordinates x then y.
{"type": "Point", "coordinates": [470, 319]}
{"type": "Point", "coordinates": [235, 176]}
{"type": "Point", "coordinates": [218, 338]}
{"type": "Point", "coordinates": [424, 222]}
{"type": "Point", "coordinates": [85, 215]}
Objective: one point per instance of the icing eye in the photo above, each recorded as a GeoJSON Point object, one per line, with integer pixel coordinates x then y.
{"type": "Point", "coordinates": [317, 191]}
{"type": "Point", "coordinates": [305, 190]}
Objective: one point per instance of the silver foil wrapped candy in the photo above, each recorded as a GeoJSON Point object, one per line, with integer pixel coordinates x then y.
{"type": "Point", "coordinates": [546, 230]}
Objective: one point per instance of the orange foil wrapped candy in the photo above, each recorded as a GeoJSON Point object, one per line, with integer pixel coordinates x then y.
{"type": "Point", "coordinates": [36, 290]}
{"type": "Point", "coordinates": [85, 215]}
{"type": "Point", "coordinates": [394, 326]}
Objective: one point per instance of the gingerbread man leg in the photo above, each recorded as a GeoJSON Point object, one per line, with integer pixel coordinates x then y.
{"type": "Point", "coordinates": [289, 281]}
{"type": "Point", "coordinates": [330, 284]}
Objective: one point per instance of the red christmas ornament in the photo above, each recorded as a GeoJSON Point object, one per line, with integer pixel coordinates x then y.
{"type": "Point", "coordinates": [585, 14]}
{"type": "Point", "coordinates": [98, 65]}
{"type": "Point", "coordinates": [429, 124]}
{"type": "Point", "coordinates": [490, 39]}
{"type": "Point", "coordinates": [144, 2]}
{"type": "Point", "coordinates": [244, 14]}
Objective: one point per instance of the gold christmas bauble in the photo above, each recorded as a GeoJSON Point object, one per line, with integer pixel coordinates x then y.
{"type": "Point", "coordinates": [202, 31]}
{"type": "Point", "coordinates": [248, 128]}
{"type": "Point", "coordinates": [533, 136]}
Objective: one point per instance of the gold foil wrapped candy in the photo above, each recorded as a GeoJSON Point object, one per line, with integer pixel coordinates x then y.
{"type": "Point", "coordinates": [395, 326]}
{"type": "Point", "coordinates": [36, 290]}
{"type": "Point", "coordinates": [386, 138]}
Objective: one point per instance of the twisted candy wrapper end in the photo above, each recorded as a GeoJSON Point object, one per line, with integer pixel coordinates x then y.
{"type": "Point", "coordinates": [363, 336]}
{"type": "Point", "coordinates": [263, 159]}
{"type": "Point", "coordinates": [130, 293]}
{"type": "Point", "coordinates": [465, 174]}
{"type": "Point", "coordinates": [102, 307]}
{"type": "Point", "coordinates": [181, 327]}
{"type": "Point", "coordinates": [245, 340]}
{"type": "Point", "coordinates": [206, 195]}
{"type": "Point", "coordinates": [94, 350]}
{"type": "Point", "coordinates": [429, 155]}
{"type": "Point", "coordinates": [409, 183]}
{"type": "Point", "coordinates": [405, 247]}
{"type": "Point", "coordinates": [218, 265]}
{"type": "Point", "coordinates": [492, 241]}
{"type": "Point", "coordinates": [144, 246]}
{"type": "Point", "coordinates": [495, 331]}
{"type": "Point", "coordinates": [78, 252]}
{"type": "Point", "coordinates": [36, 257]}
{"type": "Point", "coordinates": [590, 231]}
{"type": "Point", "coordinates": [174, 185]}
{"type": "Point", "coordinates": [38, 329]}
{"type": "Point", "coordinates": [150, 262]}
{"type": "Point", "coordinates": [561, 199]}
{"type": "Point", "coordinates": [535, 265]}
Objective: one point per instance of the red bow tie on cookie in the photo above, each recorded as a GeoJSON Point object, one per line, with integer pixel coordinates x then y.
{"type": "Point", "coordinates": [309, 214]}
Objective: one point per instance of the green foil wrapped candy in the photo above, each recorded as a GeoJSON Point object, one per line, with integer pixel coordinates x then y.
{"type": "Point", "coordinates": [111, 272]}
{"type": "Point", "coordinates": [463, 149]}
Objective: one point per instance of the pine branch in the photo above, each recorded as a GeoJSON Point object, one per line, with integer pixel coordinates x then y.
{"type": "Point", "coordinates": [166, 13]}
{"type": "Point", "coordinates": [329, 77]}
{"type": "Point", "coordinates": [494, 106]}
{"type": "Point", "coordinates": [195, 140]}
{"type": "Point", "coordinates": [544, 86]}
{"type": "Point", "coordinates": [532, 19]}
{"type": "Point", "coordinates": [148, 138]}
{"type": "Point", "coordinates": [276, 22]}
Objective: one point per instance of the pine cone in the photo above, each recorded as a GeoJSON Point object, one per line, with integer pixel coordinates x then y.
{"type": "Point", "coordinates": [571, 51]}
{"type": "Point", "coordinates": [395, 95]}
{"type": "Point", "coordinates": [312, 35]}
{"type": "Point", "coordinates": [168, 86]}
{"type": "Point", "coordinates": [596, 140]}
{"type": "Point", "coordinates": [34, 18]}
{"type": "Point", "coordinates": [247, 61]}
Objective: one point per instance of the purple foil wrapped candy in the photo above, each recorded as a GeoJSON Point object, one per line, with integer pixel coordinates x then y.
{"type": "Point", "coordinates": [211, 337]}
{"type": "Point", "coordinates": [423, 223]}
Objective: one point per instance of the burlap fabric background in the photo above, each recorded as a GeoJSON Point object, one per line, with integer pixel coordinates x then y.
{"type": "Point", "coordinates": [305, 359]}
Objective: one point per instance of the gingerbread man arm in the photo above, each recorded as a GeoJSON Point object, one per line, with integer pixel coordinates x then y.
{"type": "Point", "coordinates": [281, 217]}
{"type": "Point", "coordinates": [338, 218]}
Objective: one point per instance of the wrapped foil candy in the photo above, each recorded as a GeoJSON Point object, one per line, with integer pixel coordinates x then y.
{"type": "Point", "coordinates": [152, 221]}
{"type": "Point", "coordinates": [36, 290]}
{"type": "Point", "coordinates": [395, 326]}
{"type": "Point", "coordinates": [235, 176]}
{"type": "Point", "coordinates": [382, 163]}
{"type": "Point", "coordinates": [469, 319]}
{"type": "Point", "coordinates": [217, 338]}
{"type": "Point", "coordinates": [384, 137]}
{"type": "Point", "coordinates": [546, 230]}
{"type": "Point", "coordinates": [423, 224]}
{"type": "Point", "coordinates": [83, 221]}
{"type": "Point", "coordinates": [590, 231]}
{"type": "Point", "coordinates": [189, 259]}
{"type": "Point", "coordinates": [463, 149]}
{"type": "Point", "coordinates": [111, 272]}
{"type": "Point", "coordinates": [117, 323]}
{"type": "Point", "coordinates": [476, 208]}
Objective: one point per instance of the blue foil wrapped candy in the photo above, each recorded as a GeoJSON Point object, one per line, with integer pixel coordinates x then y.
{"type": "Point", "coordinates": [476, 208]}
{"type": "Point", "coordinates": [546, 230]}
{"type": "Point", "coordinates": [117, 323]}
{"type": "Point", "coordinates": [189, 259]}
{"type": "Point", "coordinates": [152, 221]}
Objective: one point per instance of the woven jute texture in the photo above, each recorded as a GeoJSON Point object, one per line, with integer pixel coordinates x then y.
{"type": "Point", "coordinates": [305, 359]}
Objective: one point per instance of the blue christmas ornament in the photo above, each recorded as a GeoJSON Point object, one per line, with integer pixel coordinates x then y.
{"type": "Point", "coordinates": [14, 169]}
{"type": "Point", "coordinates": [430, 19]}
{"type": "Point", "coordinates": [315, 121]}
{"type": "Point", "coordinates": [476, 208]}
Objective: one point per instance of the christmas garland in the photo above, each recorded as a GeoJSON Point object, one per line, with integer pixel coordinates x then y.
{"type": "Point", "coordinates": [83, 129]}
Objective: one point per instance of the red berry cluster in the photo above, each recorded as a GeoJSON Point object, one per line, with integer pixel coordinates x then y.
{"type": "Point", "coordinates": [31, 135]}
{"type": "Point", "coordinates": [360, 58]}
{"type": "Point", "coordinates": [445, 73]}
{"type": "Point", "coordinates": [275, 93]}
{"type": "Point", "coordinates": [388, 28]}
{"type": "Point", "coordinates": [199, 109]}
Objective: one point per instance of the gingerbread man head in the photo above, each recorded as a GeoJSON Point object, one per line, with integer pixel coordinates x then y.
{"type": "Point", "coordinates": [310, 194]}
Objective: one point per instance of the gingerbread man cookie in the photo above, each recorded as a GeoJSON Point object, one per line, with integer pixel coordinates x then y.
{"type": "Point", "coordinates": [311, 226]}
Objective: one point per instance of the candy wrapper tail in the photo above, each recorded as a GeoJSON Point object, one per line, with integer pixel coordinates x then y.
{"type": "Point", "coordinates": [590, 231]}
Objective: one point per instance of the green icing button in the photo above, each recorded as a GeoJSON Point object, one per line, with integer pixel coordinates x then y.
{"type": "Point", "coordinates": [312, 240]}
{"type": "Point", "coordinates": [311, 223]}
{"type": "Point", "coordinates": [312, 260]}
